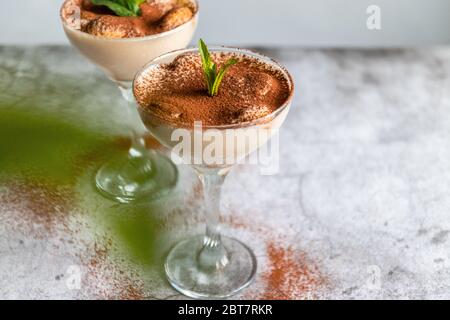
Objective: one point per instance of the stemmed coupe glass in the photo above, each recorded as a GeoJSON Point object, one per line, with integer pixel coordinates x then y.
{"type": "Point", "coordinates": [139, 174]}
{"type": "Point", "coordinates": [211, 265]}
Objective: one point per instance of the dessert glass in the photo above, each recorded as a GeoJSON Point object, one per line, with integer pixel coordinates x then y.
{"type": "Point", "coordinates": [211, 265]}
{"type": "Point", "coordinates": [139, 174]}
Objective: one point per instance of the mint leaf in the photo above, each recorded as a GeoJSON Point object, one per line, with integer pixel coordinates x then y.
{"type": "Point", "coordinates": [116, 6]}
{"type": "Point", "coordinates": [221, 75]}
{"type": "Point", "coordinates": [133, 5]}
{"type": "Point", "coordinates": [207, 65]}
{"type": "Point", "coordinates": [123, 8]}
{"type": "Point", "coordinates": [212, 77]}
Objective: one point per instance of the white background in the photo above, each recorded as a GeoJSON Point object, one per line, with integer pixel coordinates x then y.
{"type": "Point", "coordinates": [266, 22]}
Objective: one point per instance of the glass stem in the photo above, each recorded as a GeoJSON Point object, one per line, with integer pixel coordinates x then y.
{"type": "Point", "coordinates": [138, 147]}
{"type": "Point", "coordinates": [213, 256]}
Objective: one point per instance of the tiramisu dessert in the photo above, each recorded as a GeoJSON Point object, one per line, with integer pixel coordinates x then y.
{"type": "Point", "coordinates": [122, 35]}
{"type": "Point", "coordinates": [112, 19]}
{"type": "Point", "coordinates": [174, 94]}
{"type": "Point", "coordinates": [233, 93]}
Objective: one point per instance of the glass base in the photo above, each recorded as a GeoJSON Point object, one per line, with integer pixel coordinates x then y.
{"type": "Point", "coordinates": [133, 179]}
{"type": "Point", "coordinates": [186, 276]}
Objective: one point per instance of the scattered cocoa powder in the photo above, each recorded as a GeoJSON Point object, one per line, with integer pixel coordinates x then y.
{"type": "Point", "coordinates": [157, 16]}
{"type": "Point", "coordinates": [43, 205]}
{"type": "Point", "coordinates": [290, 273]}
{"type": "Point", "coordinates": [291, 276]}
{"type": "Point", "coordinates": [176, 92]}
{"type": "Point", "coordinates": [104, 278]}
{"type": "Point", "coordinates": [40, 209]}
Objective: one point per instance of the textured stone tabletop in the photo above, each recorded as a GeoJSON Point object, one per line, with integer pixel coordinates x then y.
{"type": "Point", "coordinates": [360, 208]}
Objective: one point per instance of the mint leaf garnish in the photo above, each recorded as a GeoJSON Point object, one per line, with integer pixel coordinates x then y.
{"type": "Point", "coordinates": [212, 77]}
{"type": "Point", "coordinates": [123, 8]}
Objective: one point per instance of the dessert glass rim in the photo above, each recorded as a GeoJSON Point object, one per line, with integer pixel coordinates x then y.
{"type": "Point", "coordinates": [133, 39]}
{"type": "Point", "coordinates": [226, 49]}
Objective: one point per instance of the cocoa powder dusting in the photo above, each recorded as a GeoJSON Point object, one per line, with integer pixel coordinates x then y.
{"type": "Point", "coordinates": [290, 277]}
{"type": "Point", "coordinates": [176, 93]}
{"type": "Point", "coordinates": [290, 273]}
{"type": "Point", "coordinates": [42, 209]}
{"type": "Point", "coordinates": [43, 205]}
{"type": "Point", "coordinates": [104, 278]}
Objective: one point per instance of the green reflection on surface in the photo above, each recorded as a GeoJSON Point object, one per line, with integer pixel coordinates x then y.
{"type": "Point", "coordinates": [47, 147]}
{"type": "Point", "coordinates": [59, 125]}
{"type": "Point", "coordinates": [41, 145]}
{"type": "Point", "coordinates": [135, 230]}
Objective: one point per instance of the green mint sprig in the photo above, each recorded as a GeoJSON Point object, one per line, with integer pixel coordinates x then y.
{"type": "Point", "coordinates": [123, 8]}
{"type": "Point", "coordinates": [213, 78]}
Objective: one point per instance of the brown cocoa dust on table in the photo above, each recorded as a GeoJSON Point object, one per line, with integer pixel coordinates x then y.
{"type": "Point", "coordinates": [41, 210]}
{"type": "Point", "coordinates": [104, 278]}
{"type": "Point", "coordinates": [290, 273]}
{"type": "Point", "coordinates": [176, 92]}
{"type": "Point", "coordinates": [43, 206]}
{"type": "Point", "coordinates": [41, 213]}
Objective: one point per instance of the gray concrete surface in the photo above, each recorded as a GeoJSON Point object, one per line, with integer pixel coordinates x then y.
{"type": "Point", "coordinates": [359, 210]}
